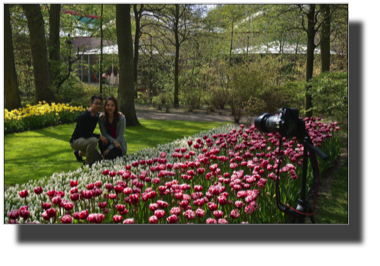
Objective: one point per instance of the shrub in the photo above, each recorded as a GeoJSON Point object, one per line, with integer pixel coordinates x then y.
{"type": "Point", "coordinates": [329, 92]}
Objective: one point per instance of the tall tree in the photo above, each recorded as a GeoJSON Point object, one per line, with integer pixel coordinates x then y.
{"type": "Point", "coordinates": [39, 52]}
{"type": "Point", "coordinates": [126, 89]}
{"type": "Point", "coordinates": [11, 91]}
{"type": "Point", "coordinates": [54, 41]}
{"type": "Point", "coordinates": [176, 19]}
{"type": "Point", "coordinates": [325, 37]}
{"type": "Point", "coordinates": [101, 51]}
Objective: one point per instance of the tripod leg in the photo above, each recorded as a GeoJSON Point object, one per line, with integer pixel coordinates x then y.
{"type": "Point", "coordinates": [312, 219]}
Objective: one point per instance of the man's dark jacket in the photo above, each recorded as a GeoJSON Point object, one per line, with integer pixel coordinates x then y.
{"type": "Point", "coordinates": [86, 124]}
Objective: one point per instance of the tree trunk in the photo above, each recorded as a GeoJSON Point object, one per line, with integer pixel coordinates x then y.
{"type": "Point", "coordinates": [310, 56]}
{"type": "Point", "coordinates": [54, 42]}
{"type": "Point", "coordinates": [101, 52]}
{"type": "Point", "coordinates": [126, 89]}
{"type": "Point", "coordinates": [325, 38]}
{"type": "Point", "coordinates": [11, 92]}
{"type": "Point", "coordinates": [176, 62]}
{"type": "Point", "coordinates": [39, 53]}
{"type": "Point", "coordinates": [136, 51]}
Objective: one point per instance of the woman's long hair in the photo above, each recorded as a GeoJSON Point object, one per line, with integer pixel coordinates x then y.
{"type": "Point", "coordinates": [115, 113]}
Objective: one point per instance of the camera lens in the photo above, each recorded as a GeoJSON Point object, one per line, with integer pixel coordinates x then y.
{"type": "Point", "coordinates": [268, 123]}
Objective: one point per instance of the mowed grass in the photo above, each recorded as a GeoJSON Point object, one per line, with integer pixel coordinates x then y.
{"type": "Point", "coordinates": [334, 204]}
{"type": "Point", "coordinates": [40, 153]}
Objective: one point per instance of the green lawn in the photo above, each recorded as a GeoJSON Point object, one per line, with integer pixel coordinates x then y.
{"type": "Point", "coordinates": [334, 204]}
{"type": "Point", "coordinates": [39, 153]}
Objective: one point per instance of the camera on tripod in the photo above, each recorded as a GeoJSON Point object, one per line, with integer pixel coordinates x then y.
{"type": "Point", "coordinates": [287, 123]}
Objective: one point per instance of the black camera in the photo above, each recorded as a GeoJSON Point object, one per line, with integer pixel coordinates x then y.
{"type": "Point", "coordinates": [286, 123]}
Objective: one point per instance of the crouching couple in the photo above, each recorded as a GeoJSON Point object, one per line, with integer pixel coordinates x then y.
{"type": "Point", "coordinates": [112, 123]}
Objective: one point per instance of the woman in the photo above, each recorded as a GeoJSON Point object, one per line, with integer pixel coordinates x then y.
{"type": "Point", "coordinates": [112, 126]}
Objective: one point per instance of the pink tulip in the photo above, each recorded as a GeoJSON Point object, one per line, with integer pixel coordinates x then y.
{"type": "Point", "coordinates": [153, 219]}
{"type": "Point", "coordinates": [235, 214]}
{"type": "Point", "coordinates": [211, 221]}
{"type": "Point", "coordinates": [218, 214]}
{"type": "Point", "coordinates": [200, 213]}
{"type": "Point", "coordinates": [172, 219]}
{"type": "Point", "coordinates": [66, 219]}
{"type": "Point", "coordinates": [175, 211]}
{"type": "Point", "coordinates": [129, 221]}
{"type": "Point", "coordinates": [153, 206]}
{"type": "Point", "coordinates": [159, 214]}
{"type": "Point", "coordinates": [117, 218]}
{"type": "Point", "coordinates": [189, 214]}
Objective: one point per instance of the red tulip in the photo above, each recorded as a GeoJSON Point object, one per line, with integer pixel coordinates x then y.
{"type": "Point", "coordinates": [172, 219]}
{"type": "Point", "coordinates": [105, 172]}
{"type": "Point", "coordinates": [212, 206]}
{"type": "Point", "coordinates": [198, 188]}
{"type": "Point", "coordinates": [112, 196]}
{"type": "Point", "coordinates": [218, 214]}
{"type": "Point", "coordinates": [66, 219]}
{"type": "Point", "coordinates": [235, 214]}
{"type": "Point", "coordinates": [119, 189]}
{"type": "Point", "coordinates": [211, 221]}
{"type": "Point", "coordinates": [254, 205]}
{"type": "Point", "coordinates": [129, 221]}
{"type": "Point", "coordinates": [200, 213]}
{"type": "Point", "coordinates": [74, 190]}
{"type": "Point", "coordinates": [175, 211]}
{"type": "Point", "coordinates": [90, 186]}
{"type": "Point", "coordinates": [127, 190]}
{"type": "Point", "coordinates": [119, 207]}
{"type": "Point", "coordinates": [239, 204]}
{"type": "Point", "coordinates": [87, 194]}
{"type": "Point", "coordinates": [222, 221]}
{"type": "Point", "coordinates": [46, 205]}
{"type": "Point", "coordinates": [162, 204]}
{"type": "Point", "coordinates": [112, 173]}
{"type": "Point", "coordinates": [117, 218]}
{"type": "Point", "coordinates": [159, 214]}
{"type": "Point", "coordinates": [68, 206]}
{"type": "Point", "coordinates": [56, 200]}
{"type": "Point", "coordinates": [38, 190]}
{"type": "Point", "coordinates": [74, 197]}
{"type": "Point", "coordinates": [83, 215]}
{"type": "Point", "coordinates": [189, 214]}
{"type": "Point", "coordinates": [23, 193]}
{"type": "Point", "coordinates": [45, 216]}
{"type": "Point", "coordinates": [153, 219]}
{"type": "Point", "coordinates": [183, 204]}
{"type": "Point", "coordinates": [14, 214]}
{"type": "Point", "coordinates": [73, 183]}
{"type": "Point", "coordinates": [51, 212]}
{"type": "Point", "coordinates": [102, 205]}
{"type": "Point", "coordinates": [222, 200]}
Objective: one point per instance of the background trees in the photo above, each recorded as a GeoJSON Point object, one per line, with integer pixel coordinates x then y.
{"type": "Point", "coordinates": [197, 56]}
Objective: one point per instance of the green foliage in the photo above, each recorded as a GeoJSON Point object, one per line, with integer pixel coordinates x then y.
{"type": "Point", "coordinates": [329, 92]}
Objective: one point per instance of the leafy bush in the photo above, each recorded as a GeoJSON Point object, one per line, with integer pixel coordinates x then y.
{"type": "Point", "coordinates": [329, 92]}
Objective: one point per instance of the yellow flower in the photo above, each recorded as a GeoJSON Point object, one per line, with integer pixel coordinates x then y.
{"type": "Point", "coordinates": [56, 114]}
{"type": "Point", "coordinates": [43, 101]}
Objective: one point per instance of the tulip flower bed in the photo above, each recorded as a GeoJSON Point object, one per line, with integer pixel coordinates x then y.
{"type": "Point", "coordinates": [40, 115]}
{"type": "Point", "coordinates": [225, 175]}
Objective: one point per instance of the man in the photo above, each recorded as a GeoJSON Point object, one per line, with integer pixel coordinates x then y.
{"type": "Point", "coordinates": [84, 141]}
